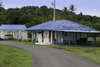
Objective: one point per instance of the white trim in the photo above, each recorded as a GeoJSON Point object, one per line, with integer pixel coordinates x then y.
{"type": "Point", "coordinates": [83, 31]}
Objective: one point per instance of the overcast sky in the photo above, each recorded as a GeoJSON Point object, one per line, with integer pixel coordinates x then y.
{"type": "Point", "coordinates": [89, 7]}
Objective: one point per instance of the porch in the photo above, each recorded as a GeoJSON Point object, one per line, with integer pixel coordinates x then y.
{"type": "Point", "coordinates": [74, 38]}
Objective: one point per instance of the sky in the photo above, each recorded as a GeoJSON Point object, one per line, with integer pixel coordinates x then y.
{"type": "Point", "coordinates": [87, 7]}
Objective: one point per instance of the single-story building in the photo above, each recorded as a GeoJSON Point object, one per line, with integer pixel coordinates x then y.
{"type": "Point", "coordinates": [62, 32]}
{"type": "Point", "coordinates": [13, 32]}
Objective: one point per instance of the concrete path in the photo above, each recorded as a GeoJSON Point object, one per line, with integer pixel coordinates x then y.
{"type": "Point", "coordinates": [49, 57]}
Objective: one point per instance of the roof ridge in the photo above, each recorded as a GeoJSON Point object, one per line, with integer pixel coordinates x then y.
{"type": "Point", "coordinates": [58, 24]}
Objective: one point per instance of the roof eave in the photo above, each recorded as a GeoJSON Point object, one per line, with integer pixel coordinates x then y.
{"type": "Point", "coordinates": [81, 31]}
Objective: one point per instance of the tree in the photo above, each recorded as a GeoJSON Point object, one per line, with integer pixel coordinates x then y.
{"type": "Point", "coordinates": [79, 16]}
{"type": "Point", "coordinates": [44, 10]}
{"type": "Point", "coordinates": [2, 18]}
{"type": "Point", "coordinates": [50, 11]}
{"type": "Point", "coordinates": [65, 11]}
{"type": "Point", "coordinates": [14, 16]}
{"type": "Point", "coordinates": [72, 8]}
{"type": "Point", "coordinates": [1, 5]}
{"type": "Point", "coordinates": [24, 19]}
{"type": "Point", "coordinates": [38, 12]}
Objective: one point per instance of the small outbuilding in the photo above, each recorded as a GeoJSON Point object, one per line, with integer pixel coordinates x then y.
{"type": "Point", "coordinates": [62, 32]}
{"type": "Point", "coordinates": [13, 32]}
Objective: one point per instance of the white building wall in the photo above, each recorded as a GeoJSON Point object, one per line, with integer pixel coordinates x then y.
{"type": "Point", "coordinates": [51, 37]}
{"type": "Point", "coordinates": [2, 35]}
{"type": "Point", "coordinates": [39, 36]}
{"type": "Point", "coordinates": [45, 38]}
{"type": "Point", "coordinates": [24, 34]}
{"type": "Point", "coordinates": [59, 37]}
{"type": "Point", "coordinates": [17, 34]}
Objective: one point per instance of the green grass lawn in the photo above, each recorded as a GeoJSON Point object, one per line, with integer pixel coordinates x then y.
{"type": "Point", "coordinates": [91, 39]}
{"type": "Point", "coordinates": [14, 57]}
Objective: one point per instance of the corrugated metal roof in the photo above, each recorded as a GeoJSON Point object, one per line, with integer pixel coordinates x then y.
{"type": "Point", "coordinates": [61, 25]}
{"type": "Point", "coordinates": [11, 27]}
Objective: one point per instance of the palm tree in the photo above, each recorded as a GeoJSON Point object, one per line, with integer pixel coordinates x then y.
{"type": "Point", "coordinates": [72, 8]}
{"type": "Point", "coordinates": [65, 11]}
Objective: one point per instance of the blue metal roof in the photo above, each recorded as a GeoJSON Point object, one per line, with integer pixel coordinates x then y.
{"type": "Point", "coordinates": [60, 25]}
{"type": "Point", "coordinates": [11, 27]}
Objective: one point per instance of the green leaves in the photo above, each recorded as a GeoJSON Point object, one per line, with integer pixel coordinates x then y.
{"type": "Point", "coordinates": [72, 8]}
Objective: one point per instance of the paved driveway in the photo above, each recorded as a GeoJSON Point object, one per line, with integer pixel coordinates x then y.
{"type": "Point", "coordinates": [49, 57]}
